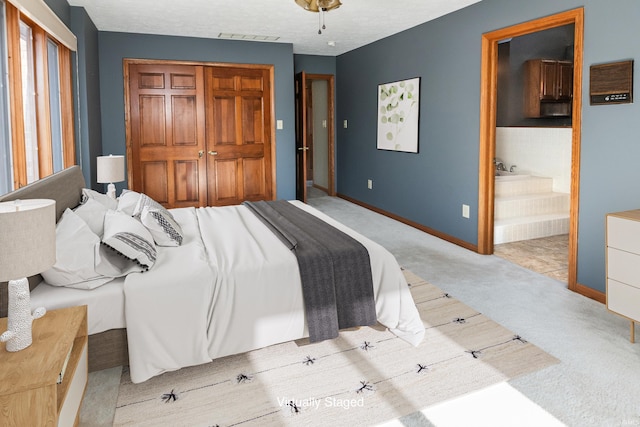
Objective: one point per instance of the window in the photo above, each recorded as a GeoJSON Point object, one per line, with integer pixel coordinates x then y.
{"type": "Point", "coordinates": [55, 117]}
{"type": "Point", "coordinates": [6, 166]}
{"type": "Point", "coordinates": [36, 106]}
{"type": "Point", "coordinates": [27, 68]}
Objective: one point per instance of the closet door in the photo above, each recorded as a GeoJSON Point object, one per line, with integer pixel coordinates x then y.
{"type": "Point", "coordinates": [239, 156]}
{"type": "Point", "coordinates": [166, 133]}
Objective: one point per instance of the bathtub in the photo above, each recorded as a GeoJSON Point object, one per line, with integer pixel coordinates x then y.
{"type": "Point", "coordinates": [526, 207]}
{"type": "Point", "coordinates": [511, 177]}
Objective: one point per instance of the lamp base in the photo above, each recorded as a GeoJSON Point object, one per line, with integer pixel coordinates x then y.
{"type": "Point", "coordinates": [111, 190]}
{"type": "Point", "coordinates": [19, 319]}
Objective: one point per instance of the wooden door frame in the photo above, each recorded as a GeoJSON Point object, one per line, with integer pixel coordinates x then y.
{"type": "Point", "coordinates": [488, 107]}
{"type": "Point", "coordinates": [301, 135]}
{"type": "Point", "coordinates": [127, 114]}
{"type": "Point", "coordinates": [329, 78]}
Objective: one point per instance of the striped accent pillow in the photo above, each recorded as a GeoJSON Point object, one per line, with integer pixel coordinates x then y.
{"type": "Point", "coordinates": [163, 227]}
{"type": "Point", "coordinates": [127, 236]}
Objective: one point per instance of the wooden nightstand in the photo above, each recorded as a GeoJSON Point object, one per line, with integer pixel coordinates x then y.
{"type": "Point", "coordinates": [29, 393]}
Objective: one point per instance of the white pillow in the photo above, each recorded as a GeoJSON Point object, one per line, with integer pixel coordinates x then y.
{"type": "Point", "coordinates": [75, 246]}
{"type": "Point", "coordinates": [159, 221]}
{"type": "Point", "coordinates": [130, 238]}
{"type": "Point", "coordinates": [103, 199]}
{"type": "Point", "coordinates": [128, 201]}
{"type": "Point", "coordinates": [92, 212]}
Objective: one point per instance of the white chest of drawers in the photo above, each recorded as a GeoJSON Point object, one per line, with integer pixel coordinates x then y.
{"type": "Point", "coordinates": [623, 265]}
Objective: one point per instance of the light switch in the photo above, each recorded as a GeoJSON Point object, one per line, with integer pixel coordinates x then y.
{"type": "Point", "coordinates": [279, 124]}
{"type": "Point", "coordinates": [344, 124]}
{"type": "Point", "coordinates": [324, 124]}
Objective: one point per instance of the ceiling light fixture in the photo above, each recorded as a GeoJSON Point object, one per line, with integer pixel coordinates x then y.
{"type": "Point", "coordinates": [319, 7]}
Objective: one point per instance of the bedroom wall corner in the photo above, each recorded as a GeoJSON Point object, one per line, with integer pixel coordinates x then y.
{"type": "Point", "coordinates": [86, 87]}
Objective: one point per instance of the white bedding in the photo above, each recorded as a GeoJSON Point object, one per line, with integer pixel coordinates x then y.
{"type": "Point", "coordinates": [233, 287]}
{"type": "Point", "coordinates": [105, 304]}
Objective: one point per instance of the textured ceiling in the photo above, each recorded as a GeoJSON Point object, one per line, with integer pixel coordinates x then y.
{"type": "Point", "coordinates": [356, 23]}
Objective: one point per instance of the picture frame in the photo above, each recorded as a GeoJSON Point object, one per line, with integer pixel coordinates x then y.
{"type": "Point", "coordinates": [398, 115]}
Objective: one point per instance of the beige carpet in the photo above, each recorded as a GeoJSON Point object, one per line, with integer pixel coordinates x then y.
{"type": "Point", "coordinates": [364, 377]}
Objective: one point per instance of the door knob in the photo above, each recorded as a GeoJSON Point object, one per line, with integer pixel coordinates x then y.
{"type": "Point", "coordinates": [200, 153]}
{"type": "Point", "coordinates": [303, 148]}
{"type": "Point", "coordinates": [212, 153]}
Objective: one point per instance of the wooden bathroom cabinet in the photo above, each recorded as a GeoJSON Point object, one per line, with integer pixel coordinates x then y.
{"type": "Point", "coordinates": [548, 88]}
{"type": "Point", "coordinates": [623, 265]}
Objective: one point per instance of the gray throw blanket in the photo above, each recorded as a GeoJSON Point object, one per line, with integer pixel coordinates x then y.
{"type": "Point", "coordinates": [335, 269]}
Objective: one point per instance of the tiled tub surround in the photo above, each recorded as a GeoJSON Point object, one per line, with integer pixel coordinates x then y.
{"type": "Point", "coordinates": [526, 208]}
{"type": "Point", "coordinates": [535, 202]}
{"type": "Point", "coordinates": [537, 152]}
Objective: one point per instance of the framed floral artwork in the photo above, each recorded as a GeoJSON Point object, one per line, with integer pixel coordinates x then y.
{"type": "Point", "coordinates": [398, 115]}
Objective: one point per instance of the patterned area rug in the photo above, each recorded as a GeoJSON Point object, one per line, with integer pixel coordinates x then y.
{"type": "Point", "coordinates": [364, 377]}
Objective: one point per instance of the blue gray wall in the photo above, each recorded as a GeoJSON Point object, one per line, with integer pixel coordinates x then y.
{"type": "Point", "coordinates": [88, 121]}
{"type": "Point", "coordinates": [62, 9]}
{"type": "Point", "coordinates": [86, 88]}
{"type": "Point", "coordinates": [430, 187]}
{"type": "Point", "coordinates": [314, 64]}
{"type": "Point", "coordinates": [114, 47]}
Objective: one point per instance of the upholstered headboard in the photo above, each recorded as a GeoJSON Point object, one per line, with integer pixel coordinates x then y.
{"type": "Point", "coordinates": [65, 187]}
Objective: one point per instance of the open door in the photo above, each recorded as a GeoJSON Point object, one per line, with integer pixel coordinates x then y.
{"type": "Point", "coordinates": [315, 144]}
{"type": "Point", "coordinates": [301, 137]}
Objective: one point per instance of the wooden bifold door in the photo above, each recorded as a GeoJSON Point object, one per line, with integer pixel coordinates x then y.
{"type": "Point", "coordinates": [199, 134]}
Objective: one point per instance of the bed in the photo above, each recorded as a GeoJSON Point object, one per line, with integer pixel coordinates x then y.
{"type": "Point", "coordinates": [230, 286]}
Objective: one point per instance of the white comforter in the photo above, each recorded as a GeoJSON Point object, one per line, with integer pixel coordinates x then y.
{"type": "Point", "coordinates": [233, 287]}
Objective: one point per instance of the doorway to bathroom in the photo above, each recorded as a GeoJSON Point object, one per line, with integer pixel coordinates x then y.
{"type": "Point", "coordinates": [488, 130]}
{"type": "Point", "coordinates": [533, 150]}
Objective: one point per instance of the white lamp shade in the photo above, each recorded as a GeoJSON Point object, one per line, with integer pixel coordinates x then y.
{"type": "Point", "coordinates": [110, 169]}
{"type": "Point", "coordinates": [27, 237]}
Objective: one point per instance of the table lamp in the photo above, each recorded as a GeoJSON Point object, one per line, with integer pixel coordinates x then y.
{"type": "Point", "coordinates": [27, 247]}
{"type": "Point", "coordinates": [110, 169]}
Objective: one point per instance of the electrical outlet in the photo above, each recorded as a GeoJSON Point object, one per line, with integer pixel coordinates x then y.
{"type": "Point", "coordinates": [279, 124]}
{"type": "Point", "coordinates": [370, 184]}
{"type": "Point", "coordinates": [465, 211]}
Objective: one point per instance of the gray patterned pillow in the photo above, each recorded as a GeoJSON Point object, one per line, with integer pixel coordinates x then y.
{"type": "Point", "coordinates": [130, 238]}
{"type": "Point", "coordinates": [163, 227]}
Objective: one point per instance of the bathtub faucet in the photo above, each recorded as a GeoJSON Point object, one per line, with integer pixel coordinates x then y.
{"type": "Point", "coordinates": [499, 164]}
{"type": "Point", "coordinates": [512, 168]}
